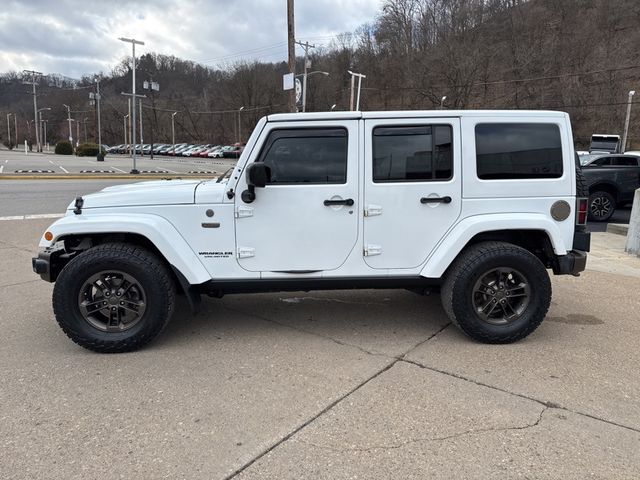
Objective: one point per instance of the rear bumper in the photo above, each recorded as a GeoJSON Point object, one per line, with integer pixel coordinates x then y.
{"type": "Point", "coordinates": [572, 263]}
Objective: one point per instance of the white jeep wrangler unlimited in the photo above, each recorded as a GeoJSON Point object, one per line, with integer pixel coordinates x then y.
{"type": "Point", "coordinates": [476, 204]}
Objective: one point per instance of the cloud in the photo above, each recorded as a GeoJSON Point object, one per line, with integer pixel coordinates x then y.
{"type": "Point", "coordinates": [76, 37]}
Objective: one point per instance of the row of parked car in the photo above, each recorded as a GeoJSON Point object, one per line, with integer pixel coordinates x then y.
{"type": "Point", "coordinates": [182, 150]}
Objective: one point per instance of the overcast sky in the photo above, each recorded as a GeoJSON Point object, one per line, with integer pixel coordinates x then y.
{"type": "Point", "coordinates": [76, 37]}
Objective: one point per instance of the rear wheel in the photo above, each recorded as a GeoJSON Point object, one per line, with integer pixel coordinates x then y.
{"type": "Point", "coordinates": [113, 298]}
{"type": "Point", "coordinates": [601, 206]}
{"type": "Point", "coordinates": [496, 292]}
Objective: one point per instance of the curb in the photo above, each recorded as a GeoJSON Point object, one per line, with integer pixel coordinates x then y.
{"type": "Point", "coordinates": [618, 229]}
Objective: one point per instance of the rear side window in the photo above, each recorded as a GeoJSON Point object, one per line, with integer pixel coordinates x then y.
{"type": "Point", "coordinates": [412, 153]}
{"type": "Point", "coordinates": [306, 156]}
{"type": "Point", "coordinates": [518, 150]}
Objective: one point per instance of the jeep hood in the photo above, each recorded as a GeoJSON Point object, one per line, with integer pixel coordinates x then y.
{"type": "Point", "coordinates": [156, 192]}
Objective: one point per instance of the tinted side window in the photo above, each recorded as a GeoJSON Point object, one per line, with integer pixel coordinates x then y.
{"type": "Point", "coordinates": [306, 156]}
{"type": "Point", "coordinates": [625, 161]}
{"type": "Point", "coordinates": [412, 153]}
{"type": "Point", "coordinates": [518, 150]}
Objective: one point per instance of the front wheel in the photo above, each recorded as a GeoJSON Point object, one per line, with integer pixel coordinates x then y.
{"type": "Point", "coordinates": [496, 292]}
{"type": "Point", "coordinates": [113, 298]}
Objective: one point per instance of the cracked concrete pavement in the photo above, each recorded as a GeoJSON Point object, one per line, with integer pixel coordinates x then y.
{"type": "Point", "coordinates": [363, 384]}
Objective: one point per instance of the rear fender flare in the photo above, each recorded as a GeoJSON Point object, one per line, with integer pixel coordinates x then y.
{"type": "Point", "coordinates": [459, 236]}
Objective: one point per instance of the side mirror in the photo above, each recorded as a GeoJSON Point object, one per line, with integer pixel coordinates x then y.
{"type": "Point", "coordinates": [257, 176]}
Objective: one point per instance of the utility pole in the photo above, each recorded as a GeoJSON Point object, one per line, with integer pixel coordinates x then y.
{"type": "Point", "coordinates": [291, 34]}
{"type": "Point", "coordinates": [84, 123]}
{"type": "Point", "coordinates": [360, 77]}
{"type": "Point", "coordinates": [15, 127]}
{"type": "Point", "coordinates": [44, 142]}
{"type": "Point", "coordinates": [69, 120]}
{"type": "Point", "coordinates": [626, 122]}
{"type": "Point", "coordinates": [34, 77]}
{"type": "Point", "coordinates": [133, 43]}
{"type": "Point", "coordinates": [77, 133]}
{"type": "Point", "coordinates": [306, 47]}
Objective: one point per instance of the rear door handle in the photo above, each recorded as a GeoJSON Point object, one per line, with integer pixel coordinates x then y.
{"type": "Point", "coordinates": [347, 201]}
{"type": "Point", "coordinates": [446, 199]}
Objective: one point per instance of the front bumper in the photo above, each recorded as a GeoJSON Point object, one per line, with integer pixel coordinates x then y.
{"type": "Point", "coordinates": [49, 262]}
{"type": "Point", "coordinates": [572, 263]}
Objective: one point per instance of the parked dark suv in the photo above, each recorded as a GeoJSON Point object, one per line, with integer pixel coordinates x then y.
{"type": "Point", "coordinates": [612, 181]}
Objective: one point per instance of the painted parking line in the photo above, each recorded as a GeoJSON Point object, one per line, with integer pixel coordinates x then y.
{"type": "Point", "coordinates": [59, 166]}
{"type": "Point", "coordinates": [116, 168]}
{"type": "Point", "coordinates": [34, 216]}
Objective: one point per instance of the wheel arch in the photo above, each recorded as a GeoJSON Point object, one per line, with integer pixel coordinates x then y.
{"type": "Point", "coordinates": [536, 234]}
{"type": "Point", "coordinates": [605, 187]}
{"type": "Point", "coordinates": [152, 232]}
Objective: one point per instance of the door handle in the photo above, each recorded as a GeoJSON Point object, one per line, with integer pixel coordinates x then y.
{"type": "Point", "coordinates": [446, 199]}
{"type": "Point", "coordinates": [348, 201]}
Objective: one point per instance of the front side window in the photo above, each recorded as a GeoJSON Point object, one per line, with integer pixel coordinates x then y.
{"type": "Point", "coordinates": [306, 156]}
{"type": "Point", "coordinates": [518, 150]}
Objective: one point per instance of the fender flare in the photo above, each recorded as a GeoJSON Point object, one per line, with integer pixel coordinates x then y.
{"type": "Point", "coordinates": [158, 230]}
{"type": "Point", "coordinates": [459, 236]}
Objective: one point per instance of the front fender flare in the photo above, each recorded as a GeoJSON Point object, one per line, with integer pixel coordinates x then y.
{"type": "Point", "coordinates": [158, 230]}
{"type": "Point", "coordinates": [459, 236]}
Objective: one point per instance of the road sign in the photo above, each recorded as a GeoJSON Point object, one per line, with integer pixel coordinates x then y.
{"type": "Point", "coordinates": [287, 81]}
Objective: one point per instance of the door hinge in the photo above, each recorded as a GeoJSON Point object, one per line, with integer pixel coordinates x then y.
{"type": "Point", "coordinates": [371, 250]}
{"type": "Point", "coordinates": [242, 212]}
{"type": "Point", "coordinates": [246, 252]}
{"type": "Point", "coordinates": [372, 210]}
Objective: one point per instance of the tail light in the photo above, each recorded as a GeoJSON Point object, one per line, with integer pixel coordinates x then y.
{"type": "Point", "coordinates": [582, 210]}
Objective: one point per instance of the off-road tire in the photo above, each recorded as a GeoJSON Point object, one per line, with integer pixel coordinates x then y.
{"type": "Point", "coordinates": [471, 264]}
{"type": "Point", "coordinates": [144, 266]}
{"type": "Point", "coordinates": [603, 197]}
{"type": "Point", "coordinates": [582, 190]}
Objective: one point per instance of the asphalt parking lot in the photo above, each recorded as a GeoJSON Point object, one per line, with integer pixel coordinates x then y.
{"type": "Point", "coordinates": [363, 384]}
{"type": "Point", "coordinates": [17, 163]}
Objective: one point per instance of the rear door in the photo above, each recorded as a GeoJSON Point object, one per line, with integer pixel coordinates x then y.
{"type": "Point", "coordinates": [412, 188]}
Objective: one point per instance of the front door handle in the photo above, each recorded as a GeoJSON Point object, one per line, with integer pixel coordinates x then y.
{"type": "Point", "coordinates": [348, 201]}
{"type": "Point", "coordinates": [446, 199]}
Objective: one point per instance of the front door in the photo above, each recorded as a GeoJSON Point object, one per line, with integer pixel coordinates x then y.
{"type": "Point", "coordinates": [412, 192]}
{"type": "Point", "coordinates": [305, 219]}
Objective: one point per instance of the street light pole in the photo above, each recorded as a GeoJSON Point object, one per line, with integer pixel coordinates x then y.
{"type": "Point", "coordinates": [124, 125]}
{"type": "Point", "coordinates": [69, 120]}
{"type": "Point", "coordinates": [442, 102]}
{"type": "Point", "coordinates": [133, 43]}
{"type": "Point", "coordinates": [626, 122]}
{"type": "Point", "coordinates": [9, 130]}
{"type": "Point", "coordinates": [173, 131]}
{"type": "Point", "coordinates": [305, 75]}
{"type": "Point", "coordinates": [40, 125]}
{"type": "Point", "coordinates": [240, 125]}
